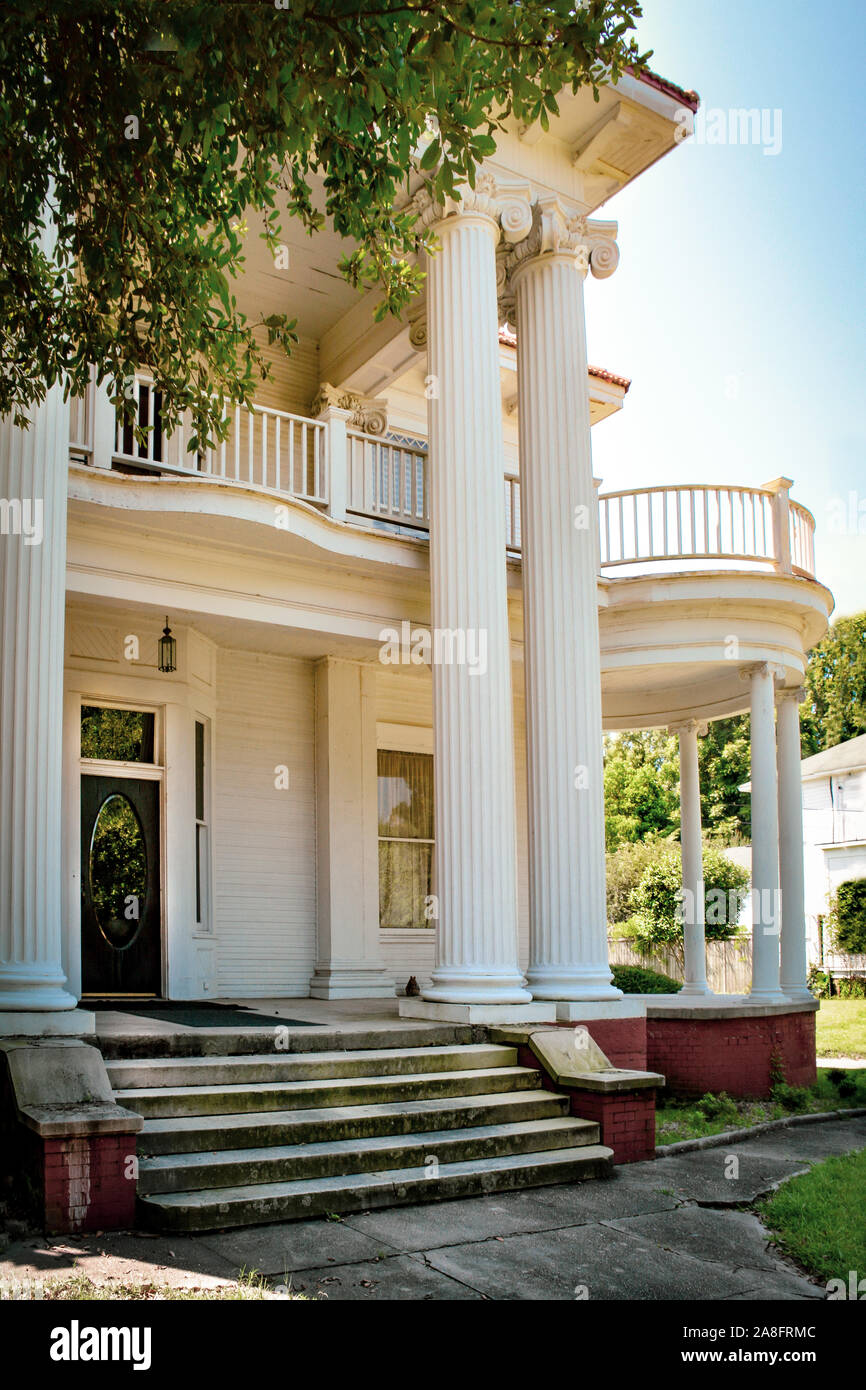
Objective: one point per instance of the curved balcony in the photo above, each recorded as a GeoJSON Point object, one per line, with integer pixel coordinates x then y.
{"type": "Point", "coordinates": [382, 481]}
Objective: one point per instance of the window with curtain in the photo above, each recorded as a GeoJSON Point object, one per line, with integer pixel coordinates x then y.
{"type": "Point", "coordinates": [405, 838]}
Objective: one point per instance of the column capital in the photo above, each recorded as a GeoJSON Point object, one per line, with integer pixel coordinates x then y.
{"type": "Point", "coordinates": [558, 229]}
{"type": "Point", "coordinates": [689, 726]}
{"type": "Point", "coordinates": [508, 206]}
{"type": "Point", "coordinates": [763, 668]}
{"type": "Point", "coordinates": [558, 232]}
{"type": "Point", "coordinates": [366, 413]}
{"type": "Point", "coordinates": [797, 693]}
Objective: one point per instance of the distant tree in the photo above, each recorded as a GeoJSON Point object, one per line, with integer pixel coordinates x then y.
{"type": "Point", "coordinates": [724, 762]}
{"type": "Point", "coordinates": [835, 706]}
{"type": "Point", "coordinates": [641, 783]}
{"type": "Point", "coordinates": [641, 777]}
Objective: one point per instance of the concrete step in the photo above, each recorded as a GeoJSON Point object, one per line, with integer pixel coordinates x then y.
{"type": "Point", "coordinates": [272, 1067]}
{"type": "Point", "coordinates": [291, 1162]}
{"type": "Point", "coordinates": [141, 1038]}
{"type": "Point", "coordinates": [220, 1208]}
{"type": "Point", "coordinates": [189, 1134]}
{"type": "Point", "coordinates": [296, 1095]}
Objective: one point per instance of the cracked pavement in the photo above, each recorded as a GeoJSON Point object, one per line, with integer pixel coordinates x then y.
{"type": "Point", "coordinates": [675, 1228]}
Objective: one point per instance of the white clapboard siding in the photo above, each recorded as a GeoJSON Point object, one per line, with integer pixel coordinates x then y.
{"type": "Point", "coordinates": [264, 839]}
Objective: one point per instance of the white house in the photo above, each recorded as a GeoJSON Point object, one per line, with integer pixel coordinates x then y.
{"type": "Point", "coordinates": [398, 612]}
{"type": "Point", "coordinates": [432, 474]}
{"type": "Point", "coordinates": [834, 834]}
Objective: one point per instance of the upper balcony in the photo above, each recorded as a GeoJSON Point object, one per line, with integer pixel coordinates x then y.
{"type": "Point", "coordinates": [382, 481]}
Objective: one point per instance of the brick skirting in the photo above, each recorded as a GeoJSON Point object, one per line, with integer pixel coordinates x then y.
{"type": "Point", "coordinates": [732, 1054]}
{"type": "Point", "coordinates": [88, 1183]}
{"type": "Point", "coordinates": [627, 1120]}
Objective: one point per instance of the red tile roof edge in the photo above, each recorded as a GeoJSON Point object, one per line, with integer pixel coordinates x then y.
{"type": "Point", "coordinates": [509, 339]}
{"type": "Point", "coordinates": [670, 89]}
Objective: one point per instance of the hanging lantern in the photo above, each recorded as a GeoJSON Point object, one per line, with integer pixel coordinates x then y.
{"type": "Point", "coordinates": [167, 649]}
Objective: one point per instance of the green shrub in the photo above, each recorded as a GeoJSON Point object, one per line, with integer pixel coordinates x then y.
{"type": "Point", "coordinates": [633, 979]}
{"type": "Point", "coordinates": [624, 867]}
{"type": "Point", "coordinates": [852, 987]}
{"type": "Point", "coordinates": [657, 901]}
{"type": "Point", "coordinates": [793, 1098]}
{"type": "Point", "coordinates": [847, 917]}
{"type": "Point", "coordinates": [819, 982]}
{"type": "Point", "coordinates": [720, 1107]}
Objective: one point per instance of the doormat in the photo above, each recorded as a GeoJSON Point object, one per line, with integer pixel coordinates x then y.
{"type": "Point", "coordinates": [195, 1013]}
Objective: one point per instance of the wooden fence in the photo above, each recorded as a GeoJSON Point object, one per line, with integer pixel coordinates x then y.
{"type": "Point", "coordinates": [729, 963]}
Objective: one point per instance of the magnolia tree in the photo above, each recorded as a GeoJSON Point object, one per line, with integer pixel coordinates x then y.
{"type": "Point", "coordinates": [153, 134]}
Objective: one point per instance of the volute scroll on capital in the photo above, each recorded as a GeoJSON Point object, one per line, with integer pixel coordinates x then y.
{"type": "Point", "coordinates": [368, 413]}
{"type": "Point", "coordinates": [688, 726]}
{"type": "Point", "coordinates": [797, 693]}
{"type": "Point", "coordinates": [508, 206]}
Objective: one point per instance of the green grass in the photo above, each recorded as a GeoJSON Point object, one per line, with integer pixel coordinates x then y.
{"type": "Point", "coordinates": [811, 1217]}
{"type": "Point", "coordinates": [840, 1028]}
{"type": "Point", "coordinates": [694, 1119]}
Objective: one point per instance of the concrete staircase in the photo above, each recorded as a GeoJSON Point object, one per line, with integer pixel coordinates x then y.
{"type": "Point", "coordinates": [241, 1138]}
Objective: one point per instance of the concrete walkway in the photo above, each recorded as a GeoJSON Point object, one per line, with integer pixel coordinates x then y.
{"type": "Point", "coordinates": [663, 1230]}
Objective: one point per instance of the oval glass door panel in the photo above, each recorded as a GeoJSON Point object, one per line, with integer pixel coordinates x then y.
{"type": "Point", "coordinates": [118, 871]}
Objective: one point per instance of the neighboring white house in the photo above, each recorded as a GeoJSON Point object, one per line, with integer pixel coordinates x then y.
{"type": "Point", "coordinates": [834, 835]}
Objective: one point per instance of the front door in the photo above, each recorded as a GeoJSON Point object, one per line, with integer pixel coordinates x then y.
{"type": "Point", "coordinates": [120, 886]}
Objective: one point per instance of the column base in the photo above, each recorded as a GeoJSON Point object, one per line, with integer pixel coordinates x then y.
{"type": "Point", "coordinates": [569, 984]}
{"type": "Point", "coordinates": [459, 985]}
{"type": "Point", "coordinates": [767, 996]}
{"type": "Point", "coordinates": [350, 982]}
{"type": "Point", "coordinates": [60, 1023]}
{"type": "Point", "coordinates": [696, 991]}
{"type": "Point", "coordinates": [799, 995]}
{"type": "Point", "coordinates": [477, 1013]}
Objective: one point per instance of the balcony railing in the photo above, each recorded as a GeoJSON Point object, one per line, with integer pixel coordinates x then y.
{"type": "Point", "coordinates": [384, 480]}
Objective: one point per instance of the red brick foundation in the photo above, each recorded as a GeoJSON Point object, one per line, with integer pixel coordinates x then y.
{"type": "Point", "coordinates": [732, 1054]}
{"type": "Point", "coordinates": [626, 1119]}
{"type": "Point", "coordinates": [622, 1040]}
{"type": "Point", "coordinates": [89, 1182]}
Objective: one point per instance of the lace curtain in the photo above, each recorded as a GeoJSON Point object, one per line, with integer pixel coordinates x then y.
{"type": "Point", "coordinates": [405, 838]}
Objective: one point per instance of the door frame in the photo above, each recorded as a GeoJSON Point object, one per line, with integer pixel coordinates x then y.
{"type": "Point", "coordinates": [139, 772]}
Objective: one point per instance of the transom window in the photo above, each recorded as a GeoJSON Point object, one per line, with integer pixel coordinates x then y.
{"type": "Point", "coordinates": [405, 839]}
{"type": "Point", "coordinates": [118, 735]}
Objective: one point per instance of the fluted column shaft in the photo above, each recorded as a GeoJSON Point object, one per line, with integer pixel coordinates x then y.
{"type": "Point", "coordinates": [475, 856]}
{"type": "Point", "coordinates": [765, 838]}
{"type": "Point", "coordinates": [793, 940]}
{"type": "Point", "coordinates": [33, 484]}
{"type": "Point", "coordinates": [694, 928]}
{"type": "Point", "coordinates": [568, 918]}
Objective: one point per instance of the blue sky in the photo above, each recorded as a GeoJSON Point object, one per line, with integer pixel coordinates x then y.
{"type": "Point", "coordinates": [738, 305]}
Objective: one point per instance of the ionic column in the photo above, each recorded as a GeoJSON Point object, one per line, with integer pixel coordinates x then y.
{"type": "Point", "coordinates": [475, 856]}
{"type": "Point", "coordinates": [765, 837]}
{"type": "Point", "coordinates": [694, 929]}
{"type": "Point", "coordinates": [793, 941]}
{"type": "Point", "coordinates": [33, 488]}
{"type": "Point", "coordinates": [559, 519]}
